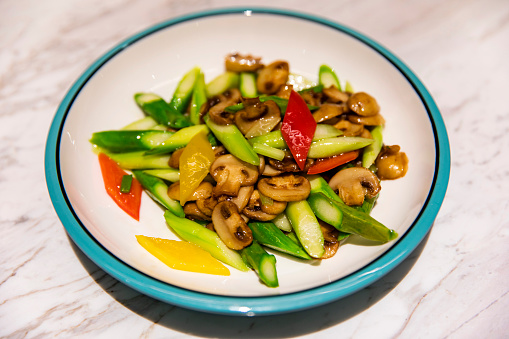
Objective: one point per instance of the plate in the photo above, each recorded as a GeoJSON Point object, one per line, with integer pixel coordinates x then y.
{"type": "Point", "coordinates": [155, 60]}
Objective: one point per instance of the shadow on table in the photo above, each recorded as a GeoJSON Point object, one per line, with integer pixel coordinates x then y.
{"type": "Point", "coordinates": [273, 326]}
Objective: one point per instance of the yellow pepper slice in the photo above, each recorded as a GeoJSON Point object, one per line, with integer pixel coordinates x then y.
{"type": "Point", "coordinates": [182, 255]}
{"type": "Point", "coordinates": [194, 165]}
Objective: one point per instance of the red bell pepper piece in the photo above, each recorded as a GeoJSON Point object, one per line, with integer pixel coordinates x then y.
{"type": "Point", "coordinates": [298, 128]}
{"type": "Point", "coordinates": [112, 177]}
{"type": "Point", "coordinates": [325, 164]}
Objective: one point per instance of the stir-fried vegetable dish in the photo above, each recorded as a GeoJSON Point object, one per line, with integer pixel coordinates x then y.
{"type": "Point", "coordinates": [254, 162]}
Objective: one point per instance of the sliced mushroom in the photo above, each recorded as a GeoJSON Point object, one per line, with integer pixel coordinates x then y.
{"type": "Point", "coordinates": [287, 187]}
{"type": "Point", "coordinates": [366, 134]}
{"type": "Point", "coordinates": [333, 94]}
{"type": "Point", "coordinates": [236, 62]}
{"type": "Point", "coordinates": [253, 210]}
{"type": "Point", "coordinates": [272, 77]}
{"type": "Point", "coordinates": [363, 104]}
{"type": "Point", "coordinates": [231, 173]}
{"type": "Point", "coordinates": [348, 128]}
{"type": "Point", "coordinates": [288, 164]}
{"type": "Point", "coordinates": [330, 236]}
{"type": "Point", "coordinates": [311, 97]}
{"type": "Point", "coordinates": [261, 167]}
{"type": "Point", "coordinates": [230, 226]}
{"type": "Point", "coordinates": [241, 200]}
{"type": "Point", "coordinates": [219, 150]}
{"type": "Point", "coordinates": [270, 171]}
{"type": "Point", "coordinates": [329, 111]}
{"type": "Point", "coordinates": [192, 211]}
{"type": "Point", "coordinates": [284, 91]}
{"type": "Point", "coordinates": [206, 206]}
{"type": "Point", "coordinates": [257, 117]}
{"type": "Point", "coordinates": [391, 163]}
{"type": "Point", "coordinates": [354, 184]}
{"type": "Point", "coordinates": [374, 120]}
{"type": "Point", "coordinates": [217, 112]}
{"type": "Point", "coordinates": [175, 158]}
{"type": "Point", "coordinates": [203, 191]}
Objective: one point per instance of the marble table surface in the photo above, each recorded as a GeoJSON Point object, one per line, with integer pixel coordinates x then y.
{"type": "Point", "coordinates": [454, 285]}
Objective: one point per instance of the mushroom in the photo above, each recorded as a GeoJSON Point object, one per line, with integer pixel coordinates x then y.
{"type": "Point", "coordinates": [311, 97]}
{"type": "Point", "coordinates": [288, 164]}
{"type": "Point", "coordinates": [272, 77]}
{"type": "Point", "coordinates": [203, 191]}
{"type": "Point", "coordinates": [363, 104]}
{"type": "Point", "coordinates": [192, 211]}
{"type": "Point", "coordinates": [231, 173]}
{"type": "Point", "coordinates": [329, 111]}
{"type": "Point", "coordinates": [330, 236]}
{"type": "Point", "coordinates": [219, 150]}
{"type": "Point", "coordinates": [257, 117]}
{"type": "Point", "coordinates": [241, 200]}
{"type": "Point", "coordinates": [287, 187]}
{"type": "Point", "coordinates": [348, 128]}
{"type": "Point", "coordinates": [230, 226]}
{"type": "Point", "coordinates": [175, 158]}
{"type": "Point", "coordinates": [206, 205]}
{"type": "Point", "coordinates": [270, 171]}
{"type": "Point", "coordinates": [255, 209]}
{"type": "Point", "coordinates": [391, 163]}
{"type": "Point", "coordinates": [333, 94]}
{"type": "Point", "coordinates": [261, 167]}
{"type": "Point", "coordinates": [236, 62]}
{"type": "Point", "coordinates": [217, 112]}
{"type": "Point", "coordinates": [374, 120]}
{"type": "Point", "coordinates": [355, 183]}
{"type": "Point", "coordinates": [284, 91]}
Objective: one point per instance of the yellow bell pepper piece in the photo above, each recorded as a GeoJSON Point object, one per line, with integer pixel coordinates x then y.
{"type": "Point", "coordinates": [182, 255]}
{"type": "Point", "coordinates": [194, 165]}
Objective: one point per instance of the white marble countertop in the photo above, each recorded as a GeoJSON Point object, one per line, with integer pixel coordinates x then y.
{"type": "Point", "coordinates": [454, 285]}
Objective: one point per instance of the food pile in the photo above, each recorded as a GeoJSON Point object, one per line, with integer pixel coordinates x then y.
{"type": "Point", "coordinates": [257, 158]}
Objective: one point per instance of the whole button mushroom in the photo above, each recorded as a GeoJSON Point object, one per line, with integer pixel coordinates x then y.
{"type": "Point", "coordinates": [231, 173]}
{"type": "Point", "coordinates": [354, 184]}
{"type": "Point", "coordinates": [272, 77]}
{"type": "Point", "coordinates": [363, 104]}
{"type": "Point", "coordinates": [391, 163]}
{"type": "Point", "coordinates": [230, 226]}
{"type": "Point", "coordinates": [236, 62]}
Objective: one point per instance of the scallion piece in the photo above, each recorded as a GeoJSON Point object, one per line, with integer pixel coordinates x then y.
{"type": "Point", "coordinates": [125, 185]}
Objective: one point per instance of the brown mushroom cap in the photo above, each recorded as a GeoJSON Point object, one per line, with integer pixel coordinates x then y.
{"type": "Point", "coordinates": [230, 226]}
{"type": "Point", "coordinates": [287, 187]}
{"type": "Point", "coordinates": [391, 163]}
{"type": "Point", "coordinates": [355, 183]}
{"type": "Point", "coordinates": [175, 158]}
{"type": "Point", "coordinates": [363, 104]}
{"type": "Point", "coordinates": [257, 118]}
{"type": "Point", "coordinates": [329, 111]}
{"type": "Point", "coordinates": [217, 112]}
{"type": "Point", "coordinates": [288, 164]}
{"type": "Point", "coordinates": [203, 191]}
{"type": "Point", "coordinates": [272, 77]}
{"type": "Point", "coordinates": [330, 236]}
{"type": "Point", "coordinates": [253, 210]}
{"type": "Point", "coordinates": [333, 94]}
{"type": "Point", "coordinates": [231, 173]}
{"type": "Point", "coordinates": [241, 200]}
{"type": "Point", "coordinates": [373, 120]}
{"type": "Point", "coordinates": [236, 62]}
{"type": "Point", "coordinates": [348, 128]}
{"type": "Point", "coordinates": [192, 211]}
{"type": "Point", "coordinates": [206, 206]}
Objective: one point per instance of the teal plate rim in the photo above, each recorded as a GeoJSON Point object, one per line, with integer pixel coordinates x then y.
{"type": "Point", "coordinates": [250, 306]}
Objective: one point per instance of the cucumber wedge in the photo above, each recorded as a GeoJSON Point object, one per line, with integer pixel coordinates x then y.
{"type": "Point", "coordinates": [306, 227]}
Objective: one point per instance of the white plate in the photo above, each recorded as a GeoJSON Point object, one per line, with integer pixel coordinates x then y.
{"type": "Point", "coordinates": [154, 61]}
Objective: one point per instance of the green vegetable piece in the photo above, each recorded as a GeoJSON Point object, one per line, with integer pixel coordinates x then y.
{"type": "Point", "coordinates": [282, 222]}
{"type": "Point", "coordinates": [333, 146]}
{"type": "Point", "coordinates": [367, 205]}
{"type": "Point", "coordinates": [178, 140]}
{"type": "Point", "coordinates": [169, 174]}
{"type": "Point", "coordinates": [319, 185]}
{"type": "Point", "coordinates": [268, 234]}
{"type": "Point", "coordinates": [123, 141]}
{"type": "Point", "coordinates": [268, 151]}
{"type": "Point", "coordinates": [371, 151]}
{"type": "Point", "coordinates": [327, 77]}
{"type": "Point", "coordinates": [316, 89]}
{"type": "Point", "coordinates": [348, 87]}
{"type": "Point", "coordinates": [282, 104]}
{"type": "Point", "coordinates": [293, 237]}
{"type": "Point", "coordinates": [158, 191]}
{"type": "Point", "coordinates": [275, 138]}
{"type": "Point", "coordinates": [182, 95]}
{"type": "Point", "coordinates": [360, 223]}
{"type": "Point", "coordinates": [198, 98]}
{"type": "Point", "coordinates": [247, 85]}
{"type": "Point", "coordinates": [155, 107]}
{"type": "Point", "coordinates": [141, 124]}
{"type": "Point", "coordinates": [306, 227]}
{"type": "Point", "coordinates": [262, 262]}
{"type": "Point", "coordinates": [206, 239]}
{"type": "Point", "coordinates": [325, 209]}
{"type": "Point", "coordinates": [233, 140]}
{"type": "Point", "coordinates": [125, 184]}
{"type": "Point", "coordinates": [222, 83]}
{"type": "Point", "coordinates": [138, 160]}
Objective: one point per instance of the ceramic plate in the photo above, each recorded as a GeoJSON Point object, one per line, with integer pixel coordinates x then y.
{"type": "Point", "coordinates": [154, 61]}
